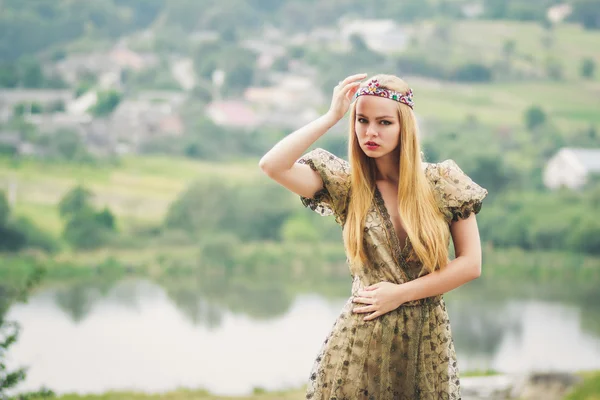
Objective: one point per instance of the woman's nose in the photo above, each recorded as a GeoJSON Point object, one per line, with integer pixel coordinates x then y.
{"type": "Point", "coordinates": [371, 131]}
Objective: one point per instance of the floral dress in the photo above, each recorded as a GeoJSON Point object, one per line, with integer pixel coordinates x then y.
{"type": "Point", "coordinates": [407, 353]}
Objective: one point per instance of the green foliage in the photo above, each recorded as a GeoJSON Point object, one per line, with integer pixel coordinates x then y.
{"type": "Point", "coordinates": [236, 62]}
{"type": "Point", "coordinates": [588, 389]}
{"type": "Point", "coordinates": [36, 238]}
{"type": "Point", "coordinates": [85, 228]}
{"type": "Point", "coordinates": [473, 72]}
{"type": "Point", "coordinates": [107, 102]}
{"type": "Point", "coordinates": [250, 212]}
{"type": "Point", "coordinates": [9, 75]}
{"type": "Point", "coordinates": [4, 208]}
{"type": "Point", "coordinates": [523, 10]}
{"type": "Point", "coordinates": [9, 332]}
{"type": "Point", "coordinates": [29, 27]}
{"type": "Point", "coordinates": [27, 73]}
{"type": "Point", "coordinates": [75, 201]}
{"type": "Point", "coordinates": [64, 145]}
{"type": "Point", "coordinates": [299, 229]}
{"type": "Point", "coordinates": [544, 221]}
{"type": "Point", "coordinates": [19, 233]}
{"type": "Point", "coordinates": [585, 236]}
{"type": "Point", "coordinates": [83, 231]}
{"type": "Point", "coordinates": [534, 117]}
{"type": "Point", "coordinates": [587, 12]}
{"type": "Point", "coordinates": [588, 68]}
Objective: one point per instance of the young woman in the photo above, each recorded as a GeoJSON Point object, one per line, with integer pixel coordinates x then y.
{"type": "Point", "coordinates": [392, 339]}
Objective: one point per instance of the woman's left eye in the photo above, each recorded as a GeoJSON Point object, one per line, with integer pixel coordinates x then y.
{"type": "Point", "coordinates": [384, 122]}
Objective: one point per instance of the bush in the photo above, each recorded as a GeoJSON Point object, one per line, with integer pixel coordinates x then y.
{"type": "Point", "coordinates": [107, 102]}
{"type": "Point", "coordinates": [585, 236]}
{"type": "Point", "coordinates": [85, 228]}
{"type": "Point", "coordinates": [83, 231]}
{"type": "Point", "coordinates": [588, 68]}
{"type": "Point", "coordinates": [254, 211]}
{"type": "Point", "coordinates": [420, 65]}
{"type": "Point", "coordinates": [534, 117]}
{"type": "Point", "coordinates": [473, 72]}
{"type": "Point", "coordinates": [36, 238]}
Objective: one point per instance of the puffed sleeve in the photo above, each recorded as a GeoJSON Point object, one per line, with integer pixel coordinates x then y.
{"type": "Point", "coordinates": [335, 172]}
{"type": "Point", "coordinates": [458, 195]}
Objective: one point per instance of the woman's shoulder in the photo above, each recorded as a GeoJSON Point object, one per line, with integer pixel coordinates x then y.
{"type": "Point", "coordinates": [324, 158]}
{"type": "Point", "coordinates": [455, 190]}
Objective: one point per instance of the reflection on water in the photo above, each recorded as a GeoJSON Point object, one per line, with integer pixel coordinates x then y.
{"type": "Point", "coordinates": [229, 337]}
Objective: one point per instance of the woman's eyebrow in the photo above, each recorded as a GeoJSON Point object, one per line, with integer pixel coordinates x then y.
{"type": "Point", "coordinates": [382, 117]}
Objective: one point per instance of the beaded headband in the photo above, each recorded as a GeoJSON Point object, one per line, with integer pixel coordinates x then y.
{"type": "Point", "coordinates": [373, 89]}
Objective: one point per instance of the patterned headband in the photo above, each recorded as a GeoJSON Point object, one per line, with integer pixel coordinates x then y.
{"type": "Point", "coordinates": [373, 89]}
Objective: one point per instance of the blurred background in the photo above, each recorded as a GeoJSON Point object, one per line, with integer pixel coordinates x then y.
{"type": "Point", "coordinates": [141, 249]}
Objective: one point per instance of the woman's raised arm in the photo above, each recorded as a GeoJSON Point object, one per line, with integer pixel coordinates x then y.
{"type": "Point", "coordinates": [280, 162]}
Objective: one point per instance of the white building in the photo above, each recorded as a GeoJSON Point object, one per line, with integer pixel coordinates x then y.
{"type": "Point", "coordinates": [571, 168]}
{"type": "Point", "coordinates": [382, 35]}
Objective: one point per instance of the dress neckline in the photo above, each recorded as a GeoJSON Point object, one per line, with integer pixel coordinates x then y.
{"type": "Point", "coordinates": [400, 251]}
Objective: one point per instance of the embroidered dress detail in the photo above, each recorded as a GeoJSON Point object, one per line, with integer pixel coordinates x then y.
{"type": "Point", "coordinates": [407, 353]}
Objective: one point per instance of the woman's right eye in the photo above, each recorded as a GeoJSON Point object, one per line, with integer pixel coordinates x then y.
{"type": "Point", "coordinates": [362, 120]}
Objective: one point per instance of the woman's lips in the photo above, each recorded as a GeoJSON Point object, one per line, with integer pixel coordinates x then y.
{"type": "Point", "coordinates": [372, 145]}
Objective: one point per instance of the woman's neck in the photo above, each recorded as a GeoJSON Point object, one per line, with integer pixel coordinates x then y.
{"type": "Point", "coordinates": [387, 168]}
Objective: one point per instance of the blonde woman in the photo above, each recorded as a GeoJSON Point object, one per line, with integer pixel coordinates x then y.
{"type": "Point", "coordinates": [392, 339]}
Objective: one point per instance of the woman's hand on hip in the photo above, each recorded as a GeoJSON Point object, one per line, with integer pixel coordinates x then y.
{"type": "Point", "coordinates": [378, 299]}
{"type": "Point", "coordinates": [342, 95]}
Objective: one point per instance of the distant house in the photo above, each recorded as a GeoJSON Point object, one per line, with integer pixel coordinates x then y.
{"type": "Point", "coordinates": [571, 168]}
{"type": "Point", "coordinates": [559, 12]}
{"type": "Point", "coordinates": [233, 114]}
{"type": "Point", "coordinates": [291, 92]}
{"type": "Point", "coordinates": [381, 35]}
{"type": "Point", "coordinates": [137, 121]}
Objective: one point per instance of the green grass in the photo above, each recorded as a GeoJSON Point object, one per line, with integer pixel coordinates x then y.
{"type": "Point", "coordinates": [186, 395]}
{"type": "Point", "coordinates": [588, 389]}
{"type": "Point", "coordinates": [572, 102]}
{"type": "Point", "coordinates": [504, 104]}
{"type": "Point", "coordinates": [484, 40]}
{"type": "Point", "coordinates": [138, 189]}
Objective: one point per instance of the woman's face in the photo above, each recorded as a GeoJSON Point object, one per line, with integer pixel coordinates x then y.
{"type": "Point", "coordinates": [377, 125]}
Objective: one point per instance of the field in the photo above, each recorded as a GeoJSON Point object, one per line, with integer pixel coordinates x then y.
{"type": "Point", "coordinates": [138, 189]}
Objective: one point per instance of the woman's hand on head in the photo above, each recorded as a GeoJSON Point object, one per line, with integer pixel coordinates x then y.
{"type": "Point", "coordinates": [342, 95]}
{"type": "Point", "coordinates": [378, 299]}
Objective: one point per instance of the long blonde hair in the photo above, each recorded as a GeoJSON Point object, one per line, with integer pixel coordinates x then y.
{"type": "Point", "coordinates": [423, 221]}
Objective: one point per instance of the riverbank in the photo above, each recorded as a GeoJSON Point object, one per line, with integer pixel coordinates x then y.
{"type": "Point", "coordinates": [551, 386]}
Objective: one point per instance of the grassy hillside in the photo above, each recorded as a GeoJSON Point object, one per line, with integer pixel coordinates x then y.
{"type": "Point", "coordinates": [571, 105]}
{"type": "Point", "coordinates": [139, 188]}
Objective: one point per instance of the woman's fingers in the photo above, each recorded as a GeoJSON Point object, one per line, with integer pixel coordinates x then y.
{"type": "Point", "coordinates": [372, 316]}
{"type": "Point", "coordinates": [363, 300]}
{"type": "Point", "coordinates": [352, 90]}
{"type": "Point", "coordinates": [353, 78]}
{"type": "Point", "coordinates": [364, 309]}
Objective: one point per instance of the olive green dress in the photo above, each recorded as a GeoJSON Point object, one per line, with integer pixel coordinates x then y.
{"type": "Point", "coordinates": [407, 353]}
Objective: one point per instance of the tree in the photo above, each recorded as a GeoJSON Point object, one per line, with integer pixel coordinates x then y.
{"type": "Point", "coordinates": [32, 75]}
{"type": "Point", "coordinates": [588, 68]}
{"type": "Point", "coordinates": [9, 76]}
{"type": "Point", "coordinates": [9, 333]}
{"type": "Point", "coordinates": [107, 102]}
{"type": "Point", "coordinates": [534, 117]}
{"type": "Point", "coordinates": [76, 200]}
{"type": "Point", "coordinates": [587, 12]}
{"type": "Point", "coordinates": [473, 72]}
{"type": "Point", "coordinates": [83, 231]}
{"type": "Point", "coordinates": [85, 228]}
{"type": "Point", "coordinates": [4, 208]}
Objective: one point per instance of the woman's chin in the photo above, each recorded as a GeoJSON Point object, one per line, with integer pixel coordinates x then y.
{"type": "Point", "coordinates": [372, 152]}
